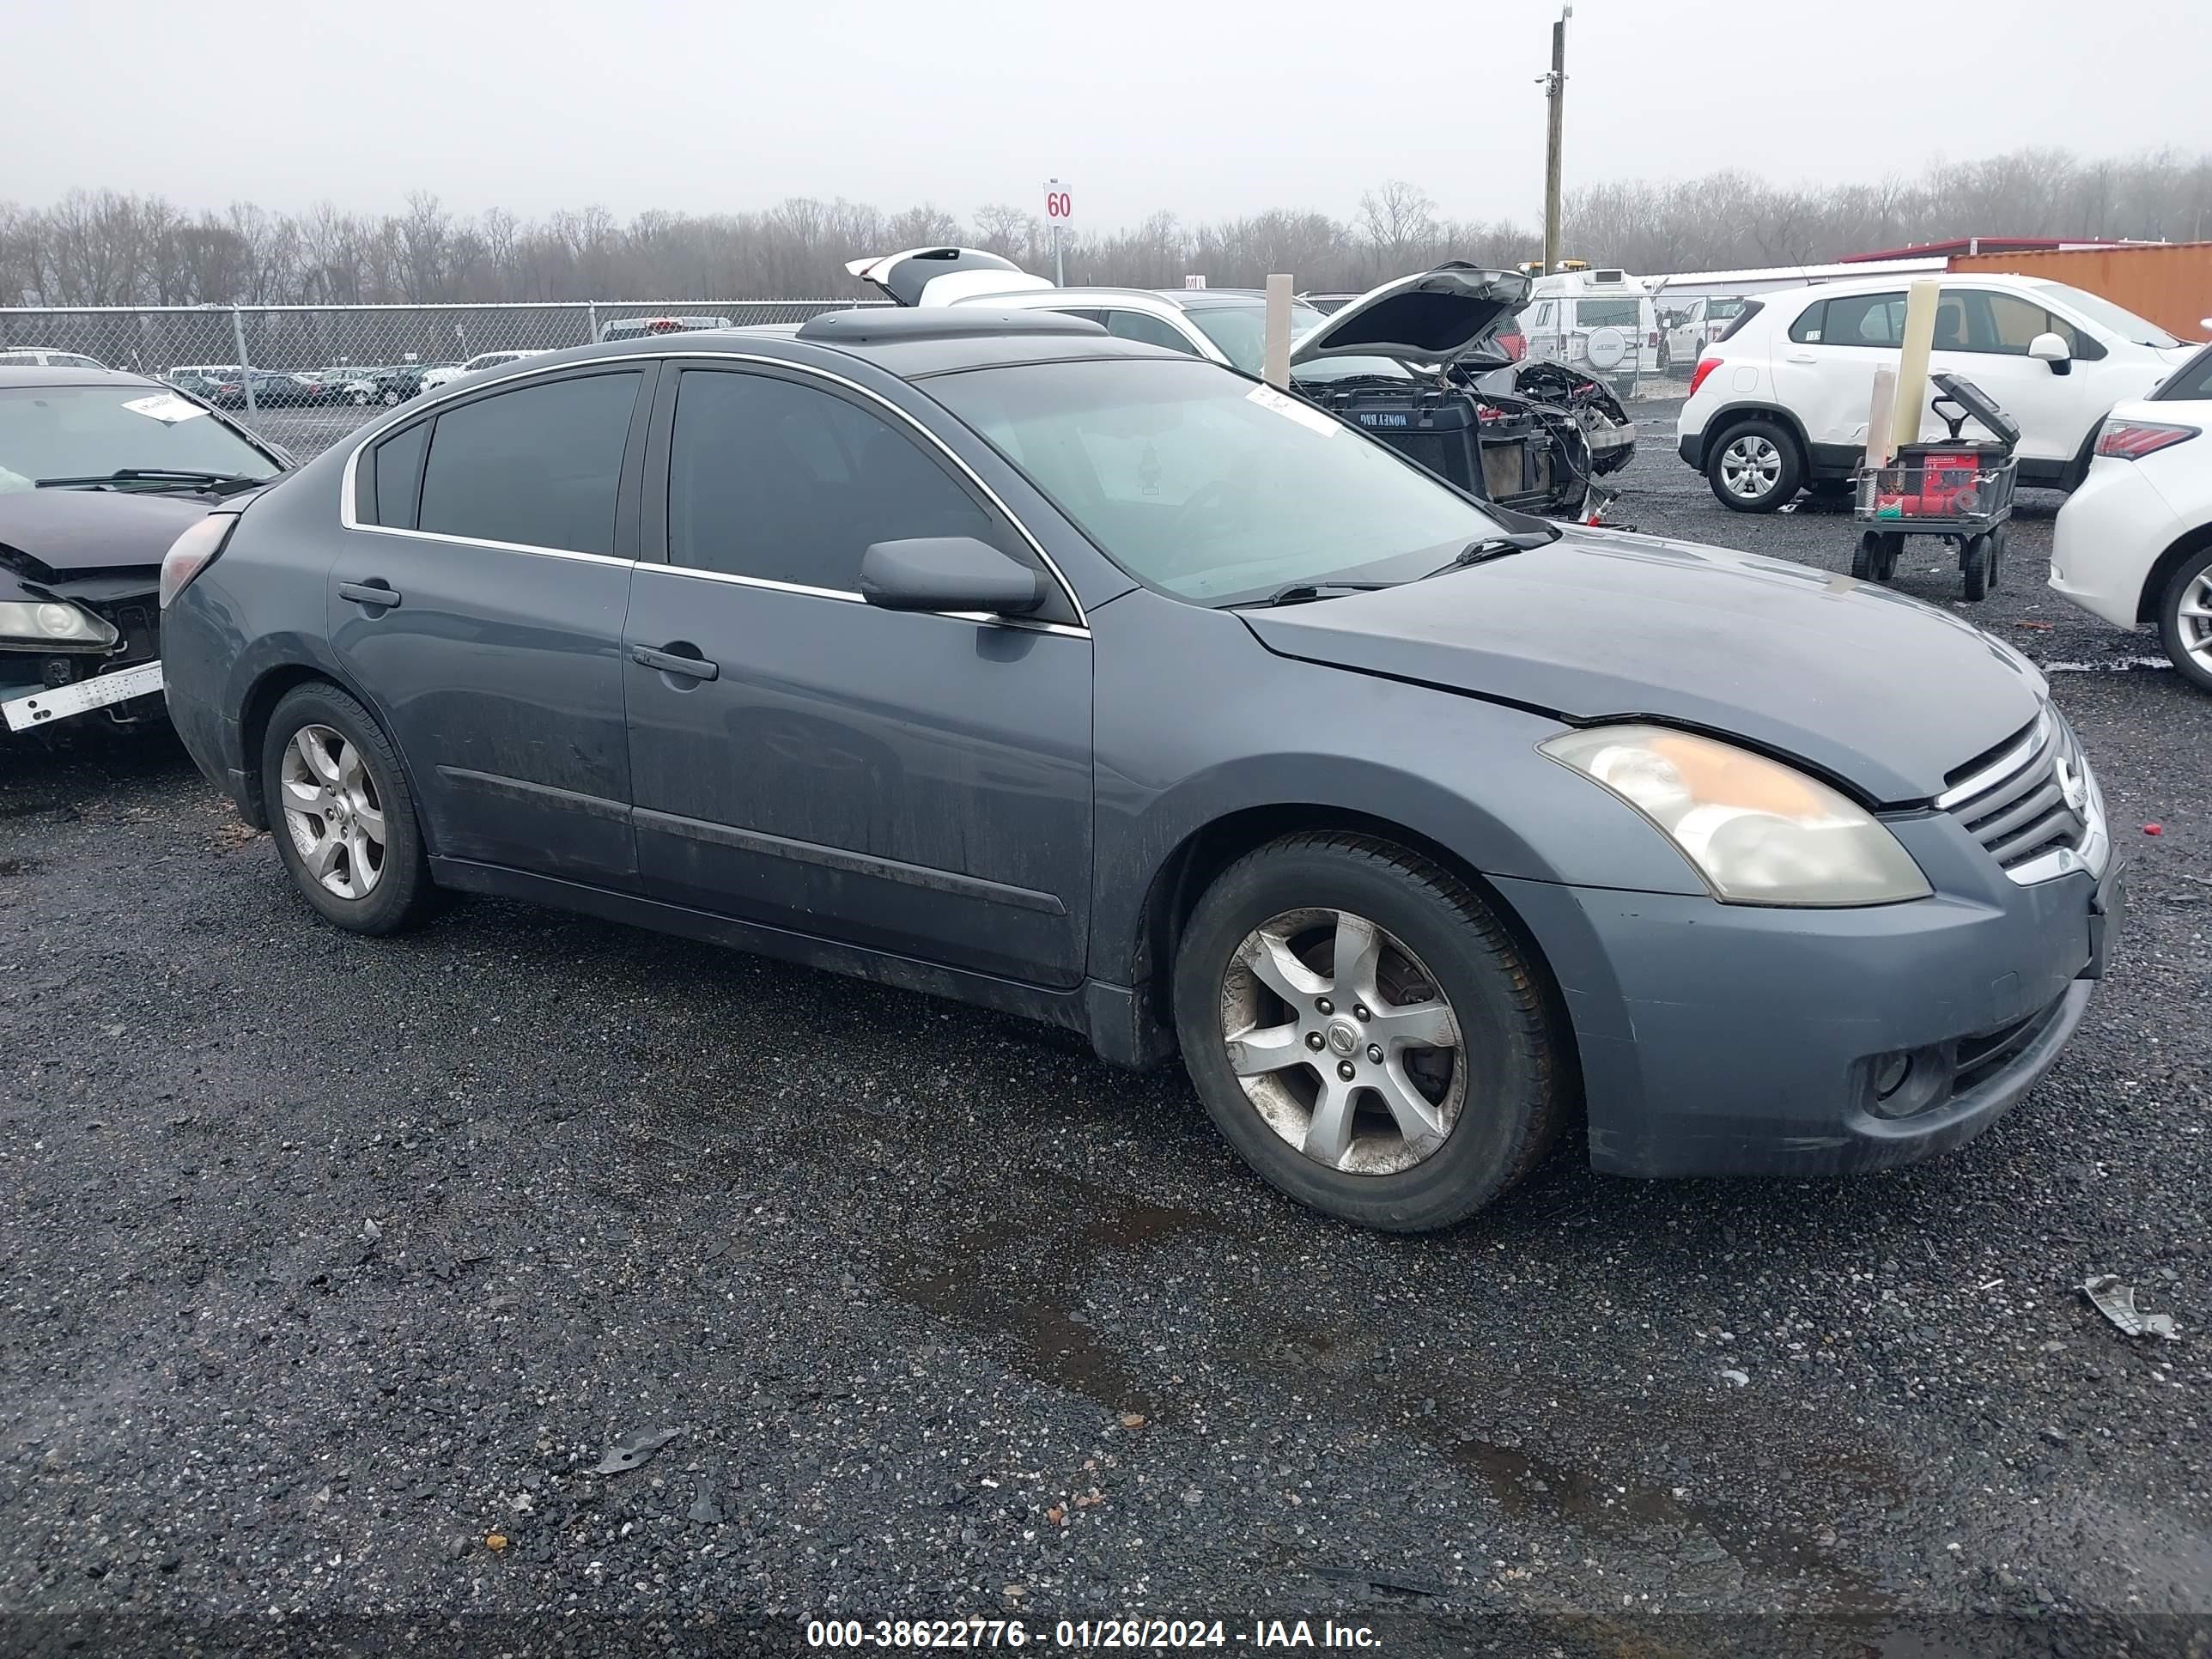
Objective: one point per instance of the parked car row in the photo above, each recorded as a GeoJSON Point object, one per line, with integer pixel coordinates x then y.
{"type": "Point", "coordinates": [1412, 362]}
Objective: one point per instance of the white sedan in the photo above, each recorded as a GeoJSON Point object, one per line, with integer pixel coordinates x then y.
{"type": "Point", "coordinates": [2134, 543]}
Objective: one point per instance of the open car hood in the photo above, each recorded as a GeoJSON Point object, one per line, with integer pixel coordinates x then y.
{"type": "Point", "coordinates": [1433, 316]}
{"type": "Point", "coordinates": [939, 276]}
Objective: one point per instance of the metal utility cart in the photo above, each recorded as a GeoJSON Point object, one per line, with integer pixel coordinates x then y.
{"type": "Point", "coordinates": [1959, 489]}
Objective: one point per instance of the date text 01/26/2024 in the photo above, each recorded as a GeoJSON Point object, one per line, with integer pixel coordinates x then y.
{"type": "Point", "coordinates": [1138, 1633]}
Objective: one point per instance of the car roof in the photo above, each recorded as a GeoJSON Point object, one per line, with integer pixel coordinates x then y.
{"type": "Point", "coordinates": [23, 374]}
{"type": "Point", "coordinates": [909, 355]}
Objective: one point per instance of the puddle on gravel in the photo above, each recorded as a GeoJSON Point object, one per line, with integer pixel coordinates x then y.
{"type": "Point", "coordinates": [1024, 1278]}
{"type": "Point", "coordinates": [1526, 1484]}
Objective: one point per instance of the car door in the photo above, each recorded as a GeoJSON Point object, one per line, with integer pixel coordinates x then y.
{"type": "Point", "coordinates": [918, 784]}
{"type": "Point", "coordinates": [1983, 334]}
{"type": "Point", "coordinates": [479, 603]}
{"type": "Point", "coordinates": [1825, 365]}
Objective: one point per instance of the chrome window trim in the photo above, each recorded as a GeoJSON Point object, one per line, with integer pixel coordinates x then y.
{"type": "Point", "coordinates": [347, 480]}
{"type": "Point", "coordinates": [847, 597]}
{"type": "Point", "coordinates": [2002, 768]}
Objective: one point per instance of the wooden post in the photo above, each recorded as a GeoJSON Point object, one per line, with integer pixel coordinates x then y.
{"type": "Point", "coordinates": [1276, 365]}
{"type": "Point", "coordinates": [1913, 367]}
{"type": "Point", "coordinates": [1881, 443]}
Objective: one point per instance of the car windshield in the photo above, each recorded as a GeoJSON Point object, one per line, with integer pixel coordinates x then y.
{"type": "Point", "coordinates": [1207, 487]}
{"type": "Point", "coordinates": [1241, 330]}
{"type": "Point", "coordinates": [2117, 320]}
{"type": "Point", "coordinates": [90, 431]}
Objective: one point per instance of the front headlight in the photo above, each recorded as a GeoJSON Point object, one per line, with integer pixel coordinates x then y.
{"type": "Point", "coordinates": [1759, 832]}
{"type": "Point", "coordinates": [53, 625]}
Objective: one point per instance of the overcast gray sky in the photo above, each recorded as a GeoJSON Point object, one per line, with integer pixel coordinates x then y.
{"type": "Point", "coordinates": [1209, 109]}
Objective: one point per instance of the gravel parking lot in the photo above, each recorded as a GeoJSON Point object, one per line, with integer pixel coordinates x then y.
{"type": "Point", "coordinates": [334, 1267]}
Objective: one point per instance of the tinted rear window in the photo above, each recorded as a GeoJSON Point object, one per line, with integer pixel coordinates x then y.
{"type": "Point", "coordinates": [399, 476]}
{"type": "Point", "coordinates": [2191, 382]}
{"type": "Point", "coordinates": [1605, 314]}
{"type": "Point", "coordinates": [538, 465]}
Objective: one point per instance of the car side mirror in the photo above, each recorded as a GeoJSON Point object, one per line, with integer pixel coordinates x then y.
{"type": "Point", "coordinates": [948, 573]}
{"type": "Point", "coordinates": [2052, 349]}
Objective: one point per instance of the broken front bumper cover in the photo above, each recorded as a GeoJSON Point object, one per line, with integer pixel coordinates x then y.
{"type": "Point", "coordinates": [47, 705]}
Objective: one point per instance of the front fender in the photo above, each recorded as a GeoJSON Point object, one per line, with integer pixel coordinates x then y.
{"type": "Point", "coordinates": [1198, 721]}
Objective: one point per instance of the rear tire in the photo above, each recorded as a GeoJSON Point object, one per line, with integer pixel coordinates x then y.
{"type": "Point", "coordinates": [1974, 567]}
{"type": "Point", "coordinates": [1866, 557]}
{"type": "Point", "coordinates": [1754, 467]}
{"type": "Point", "coordinates": [341, 814]}
{"type": "Point", "coordinates": [2184, 619]}
{"type": "Point", "coordinates": [1491, 1099]}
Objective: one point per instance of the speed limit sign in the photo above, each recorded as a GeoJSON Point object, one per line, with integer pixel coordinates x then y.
{"type": "Point", "coordinates": [1059, 205]}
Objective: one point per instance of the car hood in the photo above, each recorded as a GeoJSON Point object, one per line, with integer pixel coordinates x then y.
{"type": "Point", "coordinates": [49, 533]}
{"type": "Point", "coordinates": [1880, 691]}
{"type": "Point", "coordinates": [1432, 317]}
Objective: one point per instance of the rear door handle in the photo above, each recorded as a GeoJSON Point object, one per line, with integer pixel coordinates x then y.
{"type": "Point", "coordinates": [1802, 357]}
{"type": "Point", "coordinates": [691, 668]}
{"type": "Point", "coordinates": [380, 594]}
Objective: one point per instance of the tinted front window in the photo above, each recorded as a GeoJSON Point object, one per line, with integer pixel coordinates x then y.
{"type": "Point", "coordinates": [86, 431]}
{"type": "Point", "coordinates": [2106, 315]}
{"type": "Point", "coordinates": [1204, 485]}
{"type": "Point", "coordinates": [775, 480]}
{"type": "Point", "coordinates": [538, 466]}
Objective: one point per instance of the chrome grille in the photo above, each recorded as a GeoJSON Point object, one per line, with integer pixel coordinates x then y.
{"type": "Point", "coordinates": [2035, 806]}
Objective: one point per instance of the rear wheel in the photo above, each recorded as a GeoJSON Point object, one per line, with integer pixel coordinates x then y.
{"type": "Point", "coordinates": [344, 819]}
{"type": "Point", "coordinates": [1974, 567]}
{"type": "Point", "coordinates": [2184, 619]}
{"type": "Point", "coordinates": [1866, 557]}
{"type": "Point", "coordinates": [1754, 467]}
{"type": "Point", "coordinates": [1365, 1034]}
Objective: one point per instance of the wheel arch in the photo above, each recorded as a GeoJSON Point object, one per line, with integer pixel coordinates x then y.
{"type": "Point", "coordinates": [2178, 553]}
{"type": "Point", "coordinates": [262, 695]}
{"type": "Point", "coordinates": [1717, 423]}
{"type": "Point", "coordinates": [1193, 865]}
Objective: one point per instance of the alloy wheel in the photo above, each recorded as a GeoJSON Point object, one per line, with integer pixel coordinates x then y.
{"type": "Point", "coordinates": [1343, 1041]}
{"type": "Point", "coordinates": [332, 812]}
{"type": "Point", "coordinates": [1751, 466]}
{"type": "Point", "coordinates": [2192, 617]}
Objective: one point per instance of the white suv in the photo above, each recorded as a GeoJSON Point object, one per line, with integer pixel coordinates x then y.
{"type": "Point", "coordinates": [2134, 543]}
{"type": "Point", "coordinates": [1778, 403]}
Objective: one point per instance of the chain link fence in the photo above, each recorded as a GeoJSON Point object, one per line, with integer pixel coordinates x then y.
{"type": "Point", "coordinates": [303, 376]}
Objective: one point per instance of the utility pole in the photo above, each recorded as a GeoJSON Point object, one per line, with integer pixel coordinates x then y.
{"type": "Point", "coordinates": [1555, 92]}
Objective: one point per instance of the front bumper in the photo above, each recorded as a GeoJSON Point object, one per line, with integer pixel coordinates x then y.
{"type": "Point", "coordinates": [1730, 1040]}
{"type": "Point", "coordinates": [30, 706]}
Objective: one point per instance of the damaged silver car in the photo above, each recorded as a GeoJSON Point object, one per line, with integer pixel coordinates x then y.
{"type": "Point", "coordinates": [1414, 361]}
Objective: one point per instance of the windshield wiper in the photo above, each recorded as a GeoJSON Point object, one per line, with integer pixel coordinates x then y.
{"type": "Point", "coordinates": [1302, 592]}
{"type": "Point", "coordinates": [153, 475]}
{"type": "Point", "coordinates": [1483, 549]}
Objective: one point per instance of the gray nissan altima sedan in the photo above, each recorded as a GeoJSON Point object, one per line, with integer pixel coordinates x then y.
{"type": "Point", "coordinates": [983, 653]}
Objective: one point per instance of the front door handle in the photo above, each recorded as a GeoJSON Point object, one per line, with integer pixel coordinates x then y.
{"type": "Point", "coordinates": [377, 593]}
{"type": "Point", "coordinates": [691, 668]}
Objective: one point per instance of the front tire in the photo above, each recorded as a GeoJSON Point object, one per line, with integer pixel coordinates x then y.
{"type": "Point", "coordinates": [342, 819]}
{"type": "Point", "coordinates": [1754, 467]}
{"type": "Point", "coordinates": [1365, 1032]}
{"type": "Point", "coordinates": [2184, 619]}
